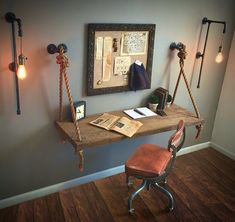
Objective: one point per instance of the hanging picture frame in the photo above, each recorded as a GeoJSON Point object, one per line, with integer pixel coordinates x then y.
{"type": "Point", "coordinates": [112, 48]}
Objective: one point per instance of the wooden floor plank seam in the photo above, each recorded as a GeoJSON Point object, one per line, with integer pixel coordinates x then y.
{"type": "Point", "coordinates": [201, 182]}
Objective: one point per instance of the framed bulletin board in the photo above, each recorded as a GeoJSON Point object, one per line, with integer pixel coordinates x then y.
{"type": "Point", "coordinates": [112, 48]}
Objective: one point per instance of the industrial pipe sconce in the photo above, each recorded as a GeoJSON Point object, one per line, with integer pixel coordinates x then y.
{"type": "Point", "coordinates": [219, 57]}
{"type": "Point", "coordinates": [17, 67]}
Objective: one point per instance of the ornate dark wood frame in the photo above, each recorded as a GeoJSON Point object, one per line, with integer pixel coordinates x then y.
{"type": "Point", "coordinates": [92, 28]}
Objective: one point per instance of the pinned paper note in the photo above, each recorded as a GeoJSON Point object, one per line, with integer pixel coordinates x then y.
{"type": "Point", "coordinates": [107, 58]}
{"type": "Point", "coordinates": [122, 65]}
{"type": "Point", "coordinates": [134, 43]}
{"type": "Point", "coordinates": [138, 62]}
{"type": "Point", "coordinates": [99, 48]}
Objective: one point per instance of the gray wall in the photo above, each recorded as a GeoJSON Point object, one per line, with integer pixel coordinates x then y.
{"type": "Point", "coordinates": [224, 127]}
{"type": "Point", "coordinates": [31, 155]}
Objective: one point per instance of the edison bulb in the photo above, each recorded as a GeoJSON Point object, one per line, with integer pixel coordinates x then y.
{"type": "Point", "coordinates": [21, 72]}
{"type": "Point", "coordinates": [219, 57]}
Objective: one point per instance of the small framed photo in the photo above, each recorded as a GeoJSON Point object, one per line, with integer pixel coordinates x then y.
{"type": "Point", "coordinates": [80, 109]}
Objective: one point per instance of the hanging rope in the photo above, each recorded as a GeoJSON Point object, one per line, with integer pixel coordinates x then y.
{"type": "Point", "coordinates": [62, 60]}
{"type": "Point", "coordinates": [182, 55]}
{"type": "Point", "coordinates": [61, 95]}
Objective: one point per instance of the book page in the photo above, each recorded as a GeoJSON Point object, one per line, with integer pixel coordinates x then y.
{"type": "Point", "coordinates": [140, 112]}
{"type": "Point", "coordinates": [105, 121]}
{"type": "Point", "coordinates": [126, 127]}
{"type": "Point", "coordinates": [145, 111]}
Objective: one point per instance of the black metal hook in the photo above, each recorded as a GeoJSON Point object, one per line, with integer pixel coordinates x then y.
{"type": "Point", "coordinates": [178, 46]}
{"type": "Point", "coordinates": [181, 48]}
{"type": "Point", "coordinates": [52, 48]}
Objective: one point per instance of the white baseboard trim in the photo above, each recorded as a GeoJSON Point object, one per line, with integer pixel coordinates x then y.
{"type": "Point", "coordinates": [223, 150]}
{"type": "Point", "coordinates": [81, 180]}
{"type": "Point", "coordinates": [193, 148]}
{"type": "Point", "coordinates": [59, 187]}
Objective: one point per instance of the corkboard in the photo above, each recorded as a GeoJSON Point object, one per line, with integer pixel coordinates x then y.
{"type": "Point", "coordinates": [112, 48]}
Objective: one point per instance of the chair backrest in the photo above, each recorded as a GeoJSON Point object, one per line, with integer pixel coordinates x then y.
{"type": "Point", "coordinates": [177, 139]}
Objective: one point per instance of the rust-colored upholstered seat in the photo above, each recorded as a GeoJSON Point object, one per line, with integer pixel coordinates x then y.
{"type": "Point", "coordinates": [148, 161]}
{"type": "Point", "coordinates": [153, 164]}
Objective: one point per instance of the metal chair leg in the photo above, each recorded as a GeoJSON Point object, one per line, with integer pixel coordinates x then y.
{"type": "Point", "coordinates": [132, 196]}
{"type": "Point", "coordinates": [148, 185]}
{"type": "Point", "coordinates": [168, 194]}
{"type": "Point", "coordinates": [163, 181]}
{"type": "Point", "coordinates": [129, 181]}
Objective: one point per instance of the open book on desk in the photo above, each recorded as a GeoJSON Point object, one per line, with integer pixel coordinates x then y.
{"type": "Point", "coordinates": [121, 125]}
{"type": "Point", "coordinates": [139, 112]}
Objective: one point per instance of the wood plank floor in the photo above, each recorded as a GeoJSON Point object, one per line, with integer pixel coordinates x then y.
{"type": "Point", "coordinates": [202, 183]}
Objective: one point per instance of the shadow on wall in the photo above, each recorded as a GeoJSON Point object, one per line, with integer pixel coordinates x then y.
{"type": "Point", "coordinates": [39, 139]}
{"type": "Point", "coordinates": [7, 83]}
{"type": "Point", "coordinates": [41, 154]}
{"type": "Point", "coordinates": [45, 81]}
{"type": "Point", "coordinates": [166, 77]}
{"type": "Point", "coordinates": [167, 69]}
{"type": "Point", "coordinates": [197, 50]}
{"type": "Point", "coordinates": [84, 71]}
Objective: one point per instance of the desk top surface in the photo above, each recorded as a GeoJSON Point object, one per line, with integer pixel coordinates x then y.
{"type": "Point", "coordinates": [93, 136]}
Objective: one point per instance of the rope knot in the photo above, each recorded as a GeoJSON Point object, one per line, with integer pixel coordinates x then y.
{"type": "Point", "coordinates": [62, 60]}
{"type": "Point", "coordinates": [182, 54]}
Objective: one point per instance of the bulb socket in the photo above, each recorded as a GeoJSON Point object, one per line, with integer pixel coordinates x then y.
{"type": "Point", "coordinates": [22, 59]}
{"type": "Point", "coordinates": [220, 49]}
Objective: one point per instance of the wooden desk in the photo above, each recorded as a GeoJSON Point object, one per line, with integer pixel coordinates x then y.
{"type": "Point", "coordinates": [93, 136]}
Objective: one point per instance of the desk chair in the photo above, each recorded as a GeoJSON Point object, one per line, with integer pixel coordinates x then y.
{"type": "Point", "coordinates": [152, 164]}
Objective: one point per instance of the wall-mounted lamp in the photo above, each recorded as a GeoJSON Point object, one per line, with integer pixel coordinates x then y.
{"type": "Point", "coordinates": [17, 66]}
{"type": "Point", "coordinates": [219, 57]}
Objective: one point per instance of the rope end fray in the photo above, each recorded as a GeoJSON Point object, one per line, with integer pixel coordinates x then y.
{"type": "Point", "coordinates": [199, 129]}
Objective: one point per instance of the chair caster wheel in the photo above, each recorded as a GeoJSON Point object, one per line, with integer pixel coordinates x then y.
{"type": "Point", "coordinates": [132, 211]}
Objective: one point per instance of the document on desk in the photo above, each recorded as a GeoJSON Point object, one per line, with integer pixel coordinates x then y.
{"type": "Point", "coordinates": [119, 124]}
{"type": "Point", "coordinates": [140, 112]}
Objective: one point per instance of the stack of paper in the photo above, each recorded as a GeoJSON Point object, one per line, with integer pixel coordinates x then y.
{"type": "Point", "coordinates": [139, 112]}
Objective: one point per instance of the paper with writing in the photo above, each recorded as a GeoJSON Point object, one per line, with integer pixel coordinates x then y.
{"type": "Point", "coordinates": [107, 58]}
{"type": "Point", "coordinates": [99, 48]}
{"type": "Point", "coordinates": [126, 126]}
{"type": "Point", "coordinates": [134, 43]}
{"type": "Point", "coordinates": [143, 112]}
{"type": "Point", "coordinates": [105, 121]}
{"type": "Point", "coordinates": [122, 65]}
{"type": "Point", "coordinates": [121, 125]}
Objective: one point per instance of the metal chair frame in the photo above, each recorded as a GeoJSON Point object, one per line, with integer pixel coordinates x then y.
{"type": "Point", "coordinates": [155, 182]}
